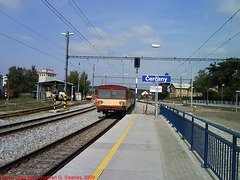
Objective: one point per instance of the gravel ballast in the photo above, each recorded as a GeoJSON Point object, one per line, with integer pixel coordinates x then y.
{"type": "Point", "coordinates": [16, 145]}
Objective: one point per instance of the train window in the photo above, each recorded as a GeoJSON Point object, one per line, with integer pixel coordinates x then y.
{"type": "Point", "coordinates": [104, 93]}
{"type": "Point", "coordinates": [118, 94]}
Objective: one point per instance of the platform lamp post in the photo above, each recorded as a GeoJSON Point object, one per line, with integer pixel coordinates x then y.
{"type": "Point", "coordinates": [222, 93]}
{"type": "Point", "coordinates": [67, 34]}
{"type": "Point", "coordinates": [236, 105]}
{"type": "Point", "coordinates": [156, 93]}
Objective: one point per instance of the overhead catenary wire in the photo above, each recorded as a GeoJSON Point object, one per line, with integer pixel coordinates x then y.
{"type": "Point", "coordinates": [88, 23]}
{"type": "Point", "coordinates": [75, 30]}
{"type": "Point", "coordinates": [223, 44]}
{"type": "Point", "coordinates": [27, 27]}
{"type": "Point", "coordinates": [215, 32]}
{"type": "Point", "coordinates": [66, 22]}
{"type": "Point", "coordinates": [31, 47]}
{"type": "Point", "coordinates": [230, 19]}
{"type": "Point", "coordinates": [216, 49]}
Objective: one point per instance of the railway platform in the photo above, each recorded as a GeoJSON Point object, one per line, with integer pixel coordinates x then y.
{"type": "Point", "coordinates": [138, 147]}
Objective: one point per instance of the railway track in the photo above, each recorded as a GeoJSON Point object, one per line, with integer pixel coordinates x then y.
{"type": "Point", "coordinates": [19, 126]}
{"type": "Point", "coordinates": [45, 161]}
{"type": "Point", "coordinates": [28, 111]}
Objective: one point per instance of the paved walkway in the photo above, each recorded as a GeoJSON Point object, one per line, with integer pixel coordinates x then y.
{"type": "Point", "coordinates": [150, 149]}
{"type": "Point", "coordinates": [178, 161]}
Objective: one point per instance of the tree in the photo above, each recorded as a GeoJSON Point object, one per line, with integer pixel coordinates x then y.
{"type": "Point", "coordinates": [31, 78]}
{"type": "Point", "coordinates": [217, 74]}
{"type": "Point", "coordinates": [15, 78]}
{"type": "Point", "coordinates": [22, 79]}
{"type": "Point", "coordinates": [201, 83]}
{"type": "Point", "coordinates": [84, 83]}
{"type": "Point", "coordinates": [164, 92]}
{"type": "Point", "coordinates": [73, 78]}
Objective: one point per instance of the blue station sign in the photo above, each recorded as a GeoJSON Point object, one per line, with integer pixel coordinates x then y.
{"type": "Point", "coordinates": [154, 78]}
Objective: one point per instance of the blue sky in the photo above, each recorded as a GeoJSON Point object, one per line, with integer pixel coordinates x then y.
{"type": "Point", "coordinates": [128, 27]}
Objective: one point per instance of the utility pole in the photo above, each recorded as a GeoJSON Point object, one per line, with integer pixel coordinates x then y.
{"type": "Point", "coordinates": [79, 78]}
{"type": "Point", "coordinates": [67, 34]}
{"type": "Point", "coordinates": [93, 90]}
{"type": "Point", "coordinates": [181, 87]}
{"type": "Point", "coordinates": [192, 89]}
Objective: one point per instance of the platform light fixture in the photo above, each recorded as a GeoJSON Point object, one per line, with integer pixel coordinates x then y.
{"type": "Point", "coordinates": [156, 93]}
{"type": "Point", "coordinates": [156, 45]}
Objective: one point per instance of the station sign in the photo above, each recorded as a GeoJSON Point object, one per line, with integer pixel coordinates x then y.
{"type": "Point", "coordinates": [155, 88]}
{"type": "Point", "coordinates": [154, 78]}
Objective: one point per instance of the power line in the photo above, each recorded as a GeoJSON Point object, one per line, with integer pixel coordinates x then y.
{"type": "Point", "coordinates": [31, 47]}
{"type": "Point", "coordinates": [216, 49]}
{"type": "Point", "coordinates": [66, 22]}
{"type": "Point", "coordinates": [223, 44]}
{"type": "Point", "coordinates": [215, 32]}
{"type": "Point", "coordinates": [30, 29]}
{"type": "Point", "coordinates": [209, 39]}
{"type": "Point", "coordinates": [88, 23]}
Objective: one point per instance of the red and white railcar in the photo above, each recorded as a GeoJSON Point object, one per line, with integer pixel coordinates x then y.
{"type": "Point", "coordinates": [114, 98]}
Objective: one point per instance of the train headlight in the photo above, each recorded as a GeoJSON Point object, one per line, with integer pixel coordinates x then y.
{"type": "Point", "coordinates": [122, 103]}
{"type": "Point", "coordinates": [100, 102]}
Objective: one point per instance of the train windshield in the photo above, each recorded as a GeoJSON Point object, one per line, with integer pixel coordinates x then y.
{"type": "Point", "coordinates": [104, 93]}
{"type": "Point", "coordinates": [111, 93]}
{"type": "Point", "coordinates": [118, 94]}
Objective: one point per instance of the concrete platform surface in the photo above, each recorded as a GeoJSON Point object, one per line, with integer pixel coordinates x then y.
{"type": "Point", "coordinates": [140, 148]}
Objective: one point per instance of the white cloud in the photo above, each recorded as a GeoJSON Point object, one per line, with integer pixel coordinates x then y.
{"type": "Point", "coordinates": [229, 6]}
{"type": "Point", "coordinates": [112, 41]}
{"type": "Point", "coordinates": [11, 4]}
{"type": "Point", "coordinates": [145, 34]}
{"type": "Point", "coordinates": [132, 41]}
{"type": "Point", "coordinates": [143, 30]}
{"type": "Point", "coordinates": [24, 38]}
{"type": "Point", "coordinates": [99, 31]}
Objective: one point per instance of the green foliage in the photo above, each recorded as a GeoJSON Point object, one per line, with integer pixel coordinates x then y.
{"type": "Point", "coordinates": [22, 79]}
{"type": "Point", "coordinates": [165, 92]}
{"type": "Point", "coordinates": [201, 83]}
{"type": "Point", "coordinates": [83, 82]}
{"type": "Point", "coordinates": [226, 74]}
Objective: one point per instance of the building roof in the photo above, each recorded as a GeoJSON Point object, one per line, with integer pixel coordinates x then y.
{"type": "Point", "coordinates": [43, 72]}
{"type": "Point", "coordinates": [184, 86]}
{"type": "Point", "coordinates": [146, 93]}
{"type": "Point", "coordinates": [57, 82]}
{"type": "Point", "coordinates": [46, 71]}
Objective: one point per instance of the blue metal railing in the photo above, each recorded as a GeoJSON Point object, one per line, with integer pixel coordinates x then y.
{"type": "Point", "coordinates": [216, 145]}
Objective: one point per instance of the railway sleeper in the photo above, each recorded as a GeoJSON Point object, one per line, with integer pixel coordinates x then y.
{"type": "Point", "coordinates": [22, 172]}
{"type": "Point", "coordinates": [35, 166]}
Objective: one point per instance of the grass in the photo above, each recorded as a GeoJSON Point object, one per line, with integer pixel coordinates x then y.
{"type": "Point", "coordinates": [27, 102]}
{"type": "Point", "coordinates": [22, 103]}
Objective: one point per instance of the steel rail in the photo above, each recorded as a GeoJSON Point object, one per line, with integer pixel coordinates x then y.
{"type": "Point", "coordinates": [27, 111]}
{"type": "Point", "coordinates": [20, 167]}
{"type": "Point", "coordinates": [19, 126]}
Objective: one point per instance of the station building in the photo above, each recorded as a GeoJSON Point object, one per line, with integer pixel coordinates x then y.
{"type": "Point", "coordinates": [182, 90]}
{"type": "Point", "coordinates": [46, 75]}
{"type": "Point", "coordinates": [48, 84]}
